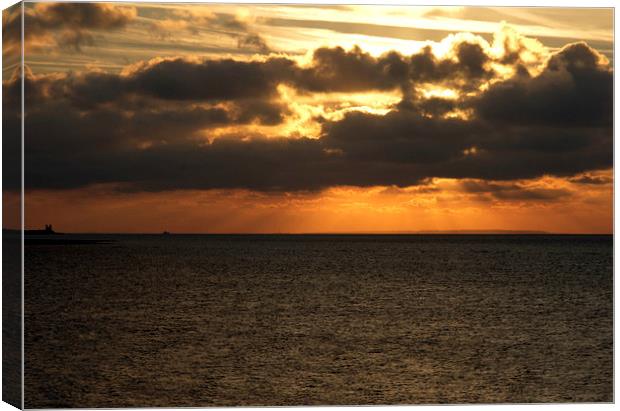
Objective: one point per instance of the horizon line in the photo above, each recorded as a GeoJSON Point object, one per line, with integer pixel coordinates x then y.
{"type": "Point", "coordinates": [379, 232]}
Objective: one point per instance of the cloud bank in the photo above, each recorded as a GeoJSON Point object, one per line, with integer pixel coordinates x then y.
{"type": "Point", "coordinates": [175, 123]}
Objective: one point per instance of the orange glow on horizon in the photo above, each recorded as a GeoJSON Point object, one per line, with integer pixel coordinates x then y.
{"type": "Point", "coordinates": [442, 204]}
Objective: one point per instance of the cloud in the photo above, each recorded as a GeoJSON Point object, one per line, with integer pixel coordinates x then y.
{"type": "Point", "coordinates": [456, 148]}
{"type": "Point", "coordinates": [74, 40]}
{"type": "Point", "coordinates": [373, 150]}
{"type": "Point", "coordinates": [592, 179]}
{"type": "Point", "coordinates": [330, 70]}
{"type": "Point", "coordinates": [11, 34]}
{"type": "Point", "coordinates": [11, 131]}
{"type": "Point", "coordinates": [178, 79]}
{"type": "Point", "coordinates": [253, 40]}
{"type": "Point", "coordinates": [158, 125]}
{"type": "Point", "coordinates": [79, 16]}
{"type": "Point", "coordinates": [334, 69]}
{"type": "Point", "coordinates": [168, 79]}
{"type": "Point", "coordinates": [542, 194]}
{"type": "Point", "coordinates": [514, 191]}
{"type": "Point", "coordinates": [574, 88]}
{"type": "Point", "coordinates": [195, 21]}
{"type": "Point", "coordinates": [67, 24]}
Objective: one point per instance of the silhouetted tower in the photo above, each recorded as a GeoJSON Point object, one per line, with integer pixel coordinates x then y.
{"type": "Point", "coordinates": [48, 228]}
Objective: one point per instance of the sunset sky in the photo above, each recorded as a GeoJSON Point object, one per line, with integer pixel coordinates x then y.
{"type": "Point", "coordinates": [281, 118]}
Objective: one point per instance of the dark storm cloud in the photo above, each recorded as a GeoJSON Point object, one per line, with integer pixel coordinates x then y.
{"type": "Point", "coordinates": [265, 112]}
{"type": "Point", "coordinates": [400, 137]}
{"type": "Point", "coordinates": [140, 129]}
{"type": "Point", "coordinates": [60, 123]}
{"type": "Point", "coordinates": [437, 147]}
{"type": "Point", "coordinates": [470, 65]}
{"type": "Point", "coordinates": [360, 150]}
{"type": "Point", "coordinates": [171, 79]}
{"type": "Point", "coordinates": [12, 92]}
{"type": "Point", "coordinates": [435, 106]}
{"type": "Point", "coordinates": [12, 131]}
{"type": "Point", "coordinates": [179, 79]}
{"type": "Point", "coordinates": [85, 90]}
{"type": "Point", "coordinates": [334, 69]}
{"type": "Point", "coordinates": [573, 89]}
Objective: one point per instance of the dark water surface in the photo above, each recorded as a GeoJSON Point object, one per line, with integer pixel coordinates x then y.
{"type": "Point", "coordinates": [295, 320]}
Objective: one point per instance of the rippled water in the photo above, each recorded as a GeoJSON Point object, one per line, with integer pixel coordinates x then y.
{"type": "Point", "coordinates": [296, 320]}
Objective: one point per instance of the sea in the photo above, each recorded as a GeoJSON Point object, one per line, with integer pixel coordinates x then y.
{"type": "Point", "coordinates": [268, 320]}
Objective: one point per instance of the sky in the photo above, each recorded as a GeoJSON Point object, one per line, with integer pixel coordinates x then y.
{"type": "Point", "coordinates": [202, 118]}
